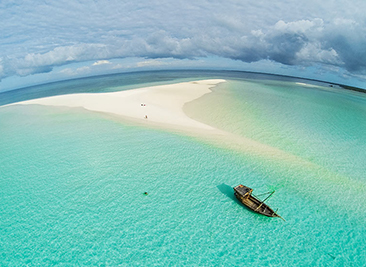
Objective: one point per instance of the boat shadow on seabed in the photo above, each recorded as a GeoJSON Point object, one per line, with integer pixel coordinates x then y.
{"type": "Point", "coordinates": [228, 191]}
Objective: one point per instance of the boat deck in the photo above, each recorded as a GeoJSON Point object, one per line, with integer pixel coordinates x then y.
{"type": "Point", "coordinates": [242, 190]}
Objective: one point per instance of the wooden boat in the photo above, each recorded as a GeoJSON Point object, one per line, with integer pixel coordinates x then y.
{"type": "Point", "coordinates": [244, 195]}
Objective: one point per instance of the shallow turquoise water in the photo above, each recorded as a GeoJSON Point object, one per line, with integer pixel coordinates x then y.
{"type": "Point", "coordinates": [72, 183]}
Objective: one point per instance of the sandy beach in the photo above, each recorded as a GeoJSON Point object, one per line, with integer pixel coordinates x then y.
{"type": "Point", "coordinates": [160, 105]}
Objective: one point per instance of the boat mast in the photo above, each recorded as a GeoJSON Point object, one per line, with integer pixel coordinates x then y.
{"type": "Point", "coordinates": [265, 200]}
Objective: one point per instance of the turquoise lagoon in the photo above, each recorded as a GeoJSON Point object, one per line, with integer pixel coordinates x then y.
{"type": "Point", "coordinates": [72, 181]}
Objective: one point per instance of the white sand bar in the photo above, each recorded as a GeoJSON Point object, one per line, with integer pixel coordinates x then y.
{"type": "Point", "coordinates": [161, 104]}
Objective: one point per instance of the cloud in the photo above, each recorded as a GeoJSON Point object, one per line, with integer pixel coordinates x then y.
{"type": "Point", "coordinates": [68, 71]}
{"type": "Point", "coordinates": [119, 66]}
{"type": "Point", "coordinates": [39, 36]}
{"type": "Point", "coordinates": [101, 62]}
{"type": "Point", "coordinates": [305, 43]}
{"type": "Point", "coordinates": [75, 72]}
{"type": "Point", "coordinates": [38, 63]}
{"type": "Point", "coordinates": [84, 69]}
{"type": "Point", "coordinates": [150, 63]}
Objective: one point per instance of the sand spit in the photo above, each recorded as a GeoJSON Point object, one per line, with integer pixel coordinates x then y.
{"type": "Point", "coordinates": [162, 105]}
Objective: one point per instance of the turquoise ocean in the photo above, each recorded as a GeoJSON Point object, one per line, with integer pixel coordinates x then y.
{"type": "Point", "coordinates": [72, 182]}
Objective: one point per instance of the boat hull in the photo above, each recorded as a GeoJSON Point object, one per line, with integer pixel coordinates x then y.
{"type": "Point", "coordinates": [244, 195]}
{"type": "Point", "coordinates": [256, 206]}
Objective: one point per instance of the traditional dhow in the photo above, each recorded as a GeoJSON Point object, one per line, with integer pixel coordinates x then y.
{"type": "Point", "coordinates": [244, 195]}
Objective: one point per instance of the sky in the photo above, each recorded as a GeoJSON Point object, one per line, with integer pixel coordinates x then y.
{"type": "Point", "coordinates": [43, 41]}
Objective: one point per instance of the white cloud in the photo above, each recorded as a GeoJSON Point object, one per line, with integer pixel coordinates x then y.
{"type": "Point", "coordinates": [300, 26]}
{"type": "Point", "coordinates": [101, 62]}
{"type": "Point", "coordinates": [84, 69]}
{"type": "Point", "coordinates": [313, 52]}
{"type": "Point", "coordinates": [67, 71]}
{"type": "Point", "coordinates": [150, 63]}
{"type": "Point", "coordinates": [118, 66]}
{"type": "Point", "coordinates": [75, 72]}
